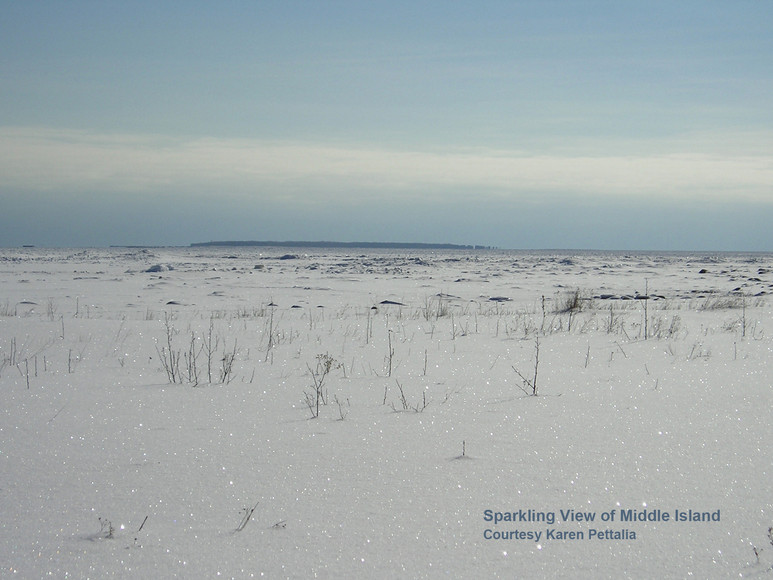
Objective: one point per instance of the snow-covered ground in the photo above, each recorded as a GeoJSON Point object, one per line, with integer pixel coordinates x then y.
{"type": "Point", "coordinates": [158, 414]}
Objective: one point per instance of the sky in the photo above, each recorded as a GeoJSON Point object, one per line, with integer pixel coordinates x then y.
{"type": "Point", "coordinates": [518, 124]}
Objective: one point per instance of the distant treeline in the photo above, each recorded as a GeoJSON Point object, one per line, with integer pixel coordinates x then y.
{"type": "Point", "coordinates": [297, 244]}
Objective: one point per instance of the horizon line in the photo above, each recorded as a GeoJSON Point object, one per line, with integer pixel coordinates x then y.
{"type": "Point", "coordinates": [387, 245]}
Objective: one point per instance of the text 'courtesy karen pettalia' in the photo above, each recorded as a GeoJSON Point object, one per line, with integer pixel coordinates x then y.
{"type": "Point", "coordinates": [570, 524]}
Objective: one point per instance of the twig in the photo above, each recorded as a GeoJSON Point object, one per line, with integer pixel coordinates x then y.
{"type": "Point", "coordinates": [59, 411]}
{"type": "Point", "coordinates": [246, 518]}
{"type": "Point", "coordinates": [532, 383]}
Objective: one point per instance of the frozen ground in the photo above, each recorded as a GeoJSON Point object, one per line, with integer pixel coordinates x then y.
{"type": "Point", "coordinates": [151, 396]}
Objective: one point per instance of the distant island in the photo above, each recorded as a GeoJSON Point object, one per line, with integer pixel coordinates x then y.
{"type": "Point", "coordinates": [387, 245]}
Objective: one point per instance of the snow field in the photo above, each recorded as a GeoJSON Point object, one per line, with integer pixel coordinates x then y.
{"type": "Point", "coordinates": [425, 422]}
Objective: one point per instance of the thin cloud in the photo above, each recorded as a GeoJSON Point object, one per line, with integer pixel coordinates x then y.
{"type": "Point", "coordinates": [48, 160]}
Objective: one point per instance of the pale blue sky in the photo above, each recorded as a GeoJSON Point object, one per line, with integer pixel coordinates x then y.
{"type": "Point", "coordinates": [517, 124]}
